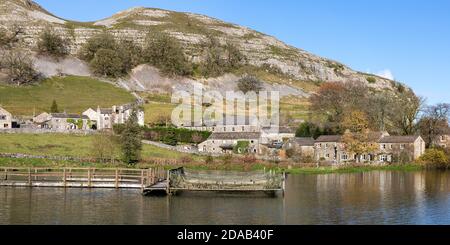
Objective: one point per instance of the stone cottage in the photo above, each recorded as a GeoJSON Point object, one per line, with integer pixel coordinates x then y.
{"type": "Point", "coordinates": [331, 148]}
{"type": "Point", "coordinates": [105, 118]}
{"type": "Point", "coordinates": [62, 121]}
{"type": "Point", "coordinates": [223, 143]}
{"type": "Point", "coordinates": [5, 119]}
{"type": "Point", "coordinates": [401, 148]}
{"type": "Point", "coordinates": [302, 146]}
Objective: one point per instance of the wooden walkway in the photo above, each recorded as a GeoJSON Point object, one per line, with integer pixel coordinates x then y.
{"type": "Point", "coordinates": [81, 177]}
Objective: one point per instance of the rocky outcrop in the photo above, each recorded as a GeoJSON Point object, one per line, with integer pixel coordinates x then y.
{"type": "Point", "coordinates": [191, 29]}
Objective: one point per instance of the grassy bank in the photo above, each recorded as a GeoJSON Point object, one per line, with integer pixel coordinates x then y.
{"type": "Point", "coordinates": [6, 162]}
{"type": "Point", "coordinates": [73, 94]}
{"type": "Point", "coordinates": [81, 147]}
{"type": "Point", "coordinates": [70, 145]}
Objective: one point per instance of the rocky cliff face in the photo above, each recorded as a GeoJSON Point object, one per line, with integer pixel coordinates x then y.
{"type": "Point", "coordinates": [191, 30]}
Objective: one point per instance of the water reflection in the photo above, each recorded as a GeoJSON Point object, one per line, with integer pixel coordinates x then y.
{"type": "Point", "coordinates": [361, 198]}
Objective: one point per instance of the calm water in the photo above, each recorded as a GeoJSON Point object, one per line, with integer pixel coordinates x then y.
{"type": "Point", "coordinates": [363, 198]}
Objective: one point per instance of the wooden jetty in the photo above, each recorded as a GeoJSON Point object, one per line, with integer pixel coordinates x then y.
{"type": "Point", "coordinates": [81, 177]}
{"type": "Point", "coordinates": [153, 181]}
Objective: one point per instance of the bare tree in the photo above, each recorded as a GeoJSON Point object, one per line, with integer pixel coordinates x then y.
{"type": "Point", "coordinates": [19, 67]}
{"type": "Point", "coordinates": [406, 111]}
{"type": "Point", "coordinates": [434, 123]}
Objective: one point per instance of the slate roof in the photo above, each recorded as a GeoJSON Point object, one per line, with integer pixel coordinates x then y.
{"type": "Point", "coordinates": [398, 139]}
{"type": "Point", "coordinates": [329, 138]}
{"type": "Point", "coordinates": [304, 141]}
{"type": "Point", "coordinates": [68, 116]}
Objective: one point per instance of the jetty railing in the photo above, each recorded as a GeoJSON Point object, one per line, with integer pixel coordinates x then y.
{"type": "Point", "coordinates": [81, 177]}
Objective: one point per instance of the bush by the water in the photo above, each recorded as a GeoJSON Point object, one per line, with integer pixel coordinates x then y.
{"type": "Point", "coordinates": [435, 158]}
{"type": "Point", "coordinates": [173, 136]}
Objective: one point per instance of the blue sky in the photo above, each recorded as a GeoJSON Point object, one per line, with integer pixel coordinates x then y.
{"type": "Point", "coordinates": [408, 38]}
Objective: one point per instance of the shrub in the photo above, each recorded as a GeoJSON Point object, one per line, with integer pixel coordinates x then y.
{"type": "Point", "coordinates": [209, 159]}
{"type": "Point", "coordinates": [10, 36]}
{"type": "Point", "coordinates": [169, 135]}
{"type": "Point", "coordinates": [290, 153]}
{"type": "Point", "coordinates": [249, 83]}
{"type": "Point", "coordinates": [165, 53]}
{"type": "Point", "coordinates": [107, 63]}
{"type": "Point", "coordinates": [130, 55]}
{"type": "Point", "coordinates": [242, 147]}
{"type": "Point", "coordinates": [50, 43]}
{"type": "Point", "coordinates": [371, 79]}
{"type": "Point", "coordinates": [435, 158]}
{"type": "Point", "coordinates": [100, 41]}
{"type": "Point", "coordinates": [220, 59]}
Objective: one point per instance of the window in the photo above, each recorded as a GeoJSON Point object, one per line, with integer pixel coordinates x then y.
{"type": "Point", "coordinates": [319, 145]}
{"type": "Point", "coordinates": [443, 138]}
{"type": "Point", "coordinates": [327, 155]}
{"type": "Point", "coordinates": [383, 146]}
{"type": "Point", "coordinates": [252, 141]}
{"type": "Point", "coordinates": [326, 146]}
{"type": "Point", "coordinates": [224, 129]}
{"type": "Point", "coordinates": [364, 157]}
{"type": "Point", "coordinates": [243, 128]}
{"type": "Point", "coordinates": [344, 157]}
{"type": "Point", "coordinates": [5, 125]}
{"type": "Point", "coordinates": [402, 146]}
{"type": "Point", "coordinates": [2, 117]}
{"type": "Point", "coordinates": [383, 158]}
{"type": "Point", "coordinates": [233, 129]}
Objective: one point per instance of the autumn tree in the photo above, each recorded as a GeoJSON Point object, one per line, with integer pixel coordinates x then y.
{"type": "Point", "coordinates": [357, 138]}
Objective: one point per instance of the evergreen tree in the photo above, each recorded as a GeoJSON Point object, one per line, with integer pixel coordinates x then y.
{"type": "Point", "coordinates": [131, 138]}
{"type": "Point", "coordinates": [54, 107]}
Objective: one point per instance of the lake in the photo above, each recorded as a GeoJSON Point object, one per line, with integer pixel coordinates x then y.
{"type": "Point", "coordinates": [378, 197]}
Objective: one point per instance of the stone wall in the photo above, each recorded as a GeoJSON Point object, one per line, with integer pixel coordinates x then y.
{"type": "Point", "coordinates": [46, 131]}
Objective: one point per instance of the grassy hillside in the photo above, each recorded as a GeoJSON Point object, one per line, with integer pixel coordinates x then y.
{"type": "Point", "coordinates": [73, 94]}
{"type": "Point", "coordinates": [67, 145]}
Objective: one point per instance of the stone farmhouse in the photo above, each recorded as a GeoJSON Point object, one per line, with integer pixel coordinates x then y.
{"type": "Point", "coordinates": [302, 146]}
{"type": "Point", "coordinates": [62, 121]}
{"type": "Point", "coordinates": [5, 119]}
{"type": "Point", "coordinates": [105, 118]}
{"type": "Point", "coordinates": [226, 143]}
{"type": "Point", "coordinates": [331, 149]}
{"type": "Point", "coordinates": [102, 118]}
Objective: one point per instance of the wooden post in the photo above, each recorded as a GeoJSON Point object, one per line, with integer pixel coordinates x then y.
{"type": "Point", "coordinates": [147, 181]}
{"type": "Point", "coordinates": [6, 174]}
{"type": "Point", "coordinates": [35, 174]}
{"type": "Point", "coordinates": [142, 180]}
{"type": "Point", "coordinates": [29, 177]}
{"type": "Point", "coordinates": [117, 179]}
{"type": "Point", "coordinates": [89, 177]}
{"type": "Point", "coordinates": [168, 183]}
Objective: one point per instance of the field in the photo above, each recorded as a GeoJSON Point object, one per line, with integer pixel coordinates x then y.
{"type": "Point", "coordinates": [67, 145]}
{"type": "Point", "coordinates": [72, 94]}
